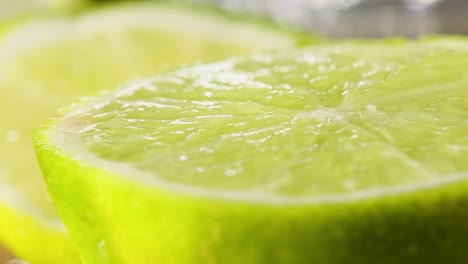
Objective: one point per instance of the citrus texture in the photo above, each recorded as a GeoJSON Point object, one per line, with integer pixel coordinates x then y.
{"type": "Point", "coordinates": [350, 153]}
{"type": "Point", "coordinates": [47, 62]}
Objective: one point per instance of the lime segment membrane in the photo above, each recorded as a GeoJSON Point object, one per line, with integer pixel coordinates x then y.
{"type": "Point", "coordinates": [47, 62]}
{"type": "Point", "coordinates": [349, 153]}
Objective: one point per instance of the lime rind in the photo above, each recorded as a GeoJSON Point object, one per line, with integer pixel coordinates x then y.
{"type": "Point", "coordinates": [23, 227]}
{"type": "Point", "coordinates": [22, 233]}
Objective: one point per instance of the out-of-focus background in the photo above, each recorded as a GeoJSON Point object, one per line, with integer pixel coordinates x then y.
{"type": "Point", "coordinates": [364, 18]}
{"type": "Point", "coordinates": [332, 18]}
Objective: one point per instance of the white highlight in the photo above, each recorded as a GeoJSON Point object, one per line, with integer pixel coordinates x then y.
{"type": "Point", "coordinates": [371, 108]}
{"type": "Point", "coordinates": [12, 136]}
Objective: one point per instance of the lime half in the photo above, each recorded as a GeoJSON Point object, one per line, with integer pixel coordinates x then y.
{"type": "Point", "coordinates": [9, 9]}
{"type": "Point", "coordinates": [354, 153]}
{"type": "Point", "coordinates": [48, 62]}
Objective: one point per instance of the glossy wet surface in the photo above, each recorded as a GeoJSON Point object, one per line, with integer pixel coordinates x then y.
{"type": "Point", "coordinates": [313, 123]}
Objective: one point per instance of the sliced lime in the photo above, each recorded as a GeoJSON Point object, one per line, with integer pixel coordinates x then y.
{"type": "Point", "coordinates": [47, 62]}
{"type": "Point", "coordinates": [9, 8]}
{"type": "Point", "coordinates": [354, 153]}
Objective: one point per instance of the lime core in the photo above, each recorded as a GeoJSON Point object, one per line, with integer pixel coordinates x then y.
{"type": "Point", "coordinates": [330, 155]}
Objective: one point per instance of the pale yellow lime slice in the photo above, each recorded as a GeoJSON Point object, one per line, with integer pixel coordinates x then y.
{"type": "Point", "coordinates": [47, 62]}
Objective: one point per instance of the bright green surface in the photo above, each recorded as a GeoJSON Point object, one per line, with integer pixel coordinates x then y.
{"type": "Point", "coordinates": [45, 63]}
{"type": "Point", "coordinates": [348, 154]}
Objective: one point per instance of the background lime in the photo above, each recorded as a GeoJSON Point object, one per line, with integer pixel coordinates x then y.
{"type": "Point", "coordinates": [47, 62]}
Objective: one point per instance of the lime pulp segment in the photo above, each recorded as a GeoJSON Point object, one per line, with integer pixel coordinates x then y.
{"type": "Point", "coordinates": [48, 62]}
{"type": "Point", "coordinates": [314, 149]}
{"type": "Point", "coordinates": [262, 125]}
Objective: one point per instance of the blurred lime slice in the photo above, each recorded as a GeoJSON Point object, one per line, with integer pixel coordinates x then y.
{"type": "Point", "coordinates": [47, 62]}
{"type": "Point", "coordinates": [9, 8]}
{"type": "Point", "coordinates": [354, 153]}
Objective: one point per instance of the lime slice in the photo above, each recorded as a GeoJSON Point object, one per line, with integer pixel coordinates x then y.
{"type": "Point", "coordinates": [47, 62]}
{"type": "Point", "coordinates": [354, 153]}
{"type": "Point", "coordinates": [9, 8]}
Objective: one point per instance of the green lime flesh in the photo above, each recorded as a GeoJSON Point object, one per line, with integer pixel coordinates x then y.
{"type": "Point", "coordinates": [48, 62]}
{"type": "Point", "coordinates": [346, 154]}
